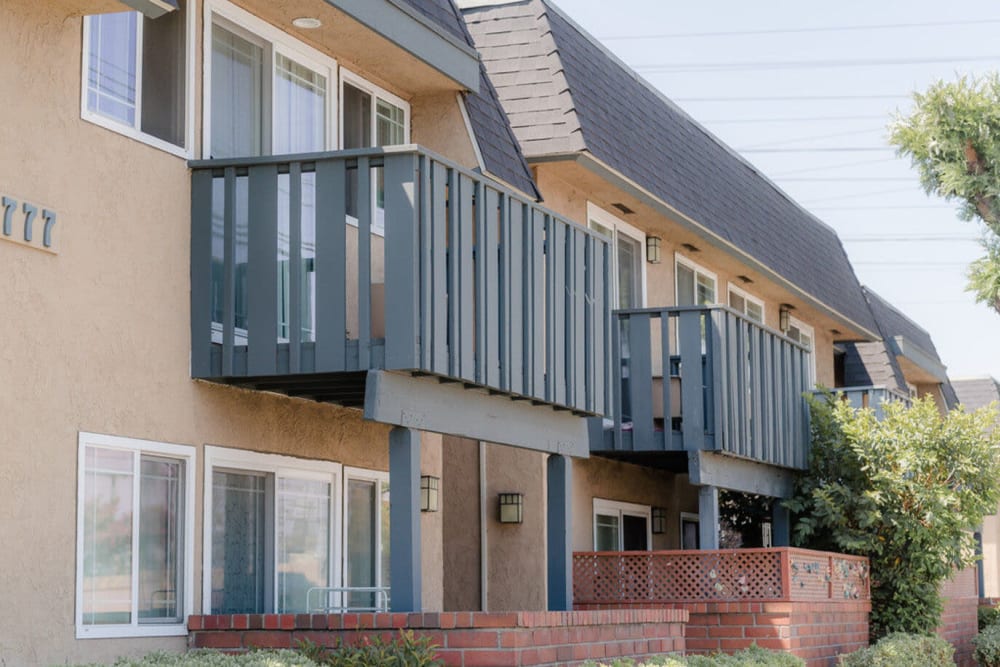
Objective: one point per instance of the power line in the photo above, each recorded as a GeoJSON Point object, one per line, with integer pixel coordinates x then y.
{"type": "Point", "coordinates": [907, 239]}
{"type": "Point", "coordinates": [879, 208]}
{"type": "Point", "coordinates": [857, 195]}
{"type": "Point", "coordinates": [913, 263]}
{"type": "Point", "coordinates": [833, 135]}
{"type": "Point", "coordinates": [790, 98]}
{"type": "Point", "coordinates": [681, 68]}
{"type": "Point", "coordinates": [841, 165]}
{"type": "Point", "coordinates": [791, 119]}
{"type": "Point", "coordinates": [864, 179]}
{"type": "Point", "coordinates": [780, 31]}
{"type": "Point", "coordinates": [818, 149]}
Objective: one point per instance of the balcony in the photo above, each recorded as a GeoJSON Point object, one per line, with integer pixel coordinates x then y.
{"type": "Point", "coordinates": [871, 397]}
{"type": "Point", "coordinates": [309, 271]}
{"type": "Point", "coordinates": [783, 574]}
{"type": "Point", "coordinates": [691, 379]}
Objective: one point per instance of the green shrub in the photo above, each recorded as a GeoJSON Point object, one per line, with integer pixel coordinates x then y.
{"type": "Point", "coordinates": [903, 650]}
{"type": "Point", "coordinates": [207, 658]}
{"type": "Point", "coordinates": [988, 616]}
{"type": "Point", "coordinates": [751, 657]}
{"type": "Point", "coordinates": [405, 650]}
{"type": "Point", "coordinates": [987, 644]}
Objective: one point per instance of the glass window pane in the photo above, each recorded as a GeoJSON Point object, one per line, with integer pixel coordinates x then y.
{"type": "Point", "coordinates": [237, 95]}
{"type": "Point", "coordinates": [299, 108]}
{"type": "Point", "coordinates": [161, 492]}
{"type": "Point", "coordinates": [239, 539]}
{"type": "Point", "coordinates": [685, 286]}
{"type": "Point", "coordinates": [737, 302]}
{"type": "Point", "coordinates": [706, 290]}
{"type": "Point", "coordinates": [164, 76]}
{"type": "Point", "coordinates": [303, 541]}
{"type": "Point", "coordinates": [111, 77]}
{"type": "Point", "coordinates": [607, 533]}
{"type": "Point", "coordinates": [390, 124]}
{"type": "Point", "coordinates": [629, 271]}
{"type": "Point", "coordinates": [755, 312]}
{"type": "Point", "coordinates": [361, 540]}
{"type": "Point", "coordinates": [357, 111]}
{"type": "Point", "coordinates": [386, 579]}
{"type": "Point", "coordinates": [107, 536]}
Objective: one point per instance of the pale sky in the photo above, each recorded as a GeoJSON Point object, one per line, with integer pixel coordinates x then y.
{"type": "Point", "coordinates": [763, 92]}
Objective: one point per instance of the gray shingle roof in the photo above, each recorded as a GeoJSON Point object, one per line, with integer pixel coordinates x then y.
{"type": "Point", "coordinates": [872, 365]}
{"type": "Point", "coordinates": [893, 322]}
{"type": "Point", "coordinates": [976, 392]}
{"type": "Point", "coordinates": [565, 93]}
{"type": "Point", "coordinates": [501, 153]}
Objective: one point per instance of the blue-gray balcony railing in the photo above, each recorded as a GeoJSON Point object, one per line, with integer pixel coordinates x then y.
{"type": "Point", "coordinates": [872, 397]}
{"type": "Point", "coordinates": [294, 283]}
{"type": "Point", "coordinates": [707, 378]}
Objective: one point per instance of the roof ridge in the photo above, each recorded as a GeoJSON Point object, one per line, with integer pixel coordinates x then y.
{"type": "Point", "coordinates": [554, 59]}
{"type": "Point", "coordinates": [888, 304]}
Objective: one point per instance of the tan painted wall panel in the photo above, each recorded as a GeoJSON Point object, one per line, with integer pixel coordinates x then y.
{"type": "Point", "coordinates": [461, 516]}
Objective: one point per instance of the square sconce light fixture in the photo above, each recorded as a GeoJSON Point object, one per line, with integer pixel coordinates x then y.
{"type": "Point", "coordinates": [429, 493]}
{"type": "Point", "coordinates": [653, 249]}
{"type": "Point", "coordinates": [784, 313]}
{"type": "Point", "coordinates": [659, 520]}
{"type": "Point", "coordinates": [511, 507]}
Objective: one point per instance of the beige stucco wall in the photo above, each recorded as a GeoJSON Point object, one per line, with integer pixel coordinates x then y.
{"type": "Point", "coordinates": [96, 338]}
{"type": "Point", "coordinates": [991, 555]}
{"type": "Point", "coordinates": [460, 509]}
{"type": "Point", "coordinates": [567, 188]}
{"type": "Point", "coordinates": [602, 478]}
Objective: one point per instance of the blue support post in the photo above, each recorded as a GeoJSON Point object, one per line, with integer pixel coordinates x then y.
{"type": "Point", "coordinates": [708, 517]}
{"type": "Point", "coordinates": [781, 525]}
{"type": "Point", "coordinates": [559, 508]}
{"type": "Point", "coordinates": [404, 519]}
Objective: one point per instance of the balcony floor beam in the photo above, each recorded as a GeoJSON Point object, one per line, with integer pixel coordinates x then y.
{"type": "Point", "coordinates": [729, 472]}
{"type": "Point", "coordinates": [447, 408]}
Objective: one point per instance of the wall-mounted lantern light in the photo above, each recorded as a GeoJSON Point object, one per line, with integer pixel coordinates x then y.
{"type": "Point", "coordinates": [659, 520]}
{"type": "Point", "coordinates": [429, 493]}
{"type": "Point", "coordinates": [784, 312]}
{"type": "Point", "coordinates": [511, 507]}
{"type": "Point", "coordinates": [653, 249]}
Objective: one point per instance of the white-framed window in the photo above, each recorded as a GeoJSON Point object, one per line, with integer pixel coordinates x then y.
{"type": "Point", "coordinates": [269, 531]}
{"type": "Point", "coordinates": [746, 304]}
{"type": "Point", "coordinates": [690, 527]}
{"type": "Point", "coordinates": [620, 526]}
{"type": "Point", "coordinates": [695, 285]}
{"type": "Point", "coordinates": [138, 76]}
{"type": "Point", "coordinates": [366, 535]}
{"type": "Point", "coordinates": [803, 334]}
{"type": "Point", "coordinates": [628, 257]}
{"type": "Point", "coordinates": [135, 537]}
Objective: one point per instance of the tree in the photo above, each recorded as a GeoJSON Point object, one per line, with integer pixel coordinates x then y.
{"type": "Point", "coordinates": [906, 492]}
{"type": "Point", "coordinates": [953, 138]}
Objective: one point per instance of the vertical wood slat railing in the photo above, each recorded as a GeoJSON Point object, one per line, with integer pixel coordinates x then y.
{"type": "Point", "coordinates": [741, 385]}
{"type": "Point", "coordinates": [481, 285]}
{"type": "Point", "coordinates": [773, 574]}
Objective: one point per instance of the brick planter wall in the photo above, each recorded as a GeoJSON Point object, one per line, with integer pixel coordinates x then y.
{"type": "Point", "coordinates": [816, 631]}
{"type": "Point", "coordinates": [466, 639]}
{"type": "Point", "coordinates": [959, 620]}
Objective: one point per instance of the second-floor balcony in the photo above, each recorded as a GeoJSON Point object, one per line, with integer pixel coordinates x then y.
{"type": "Point", "coordinates": [309, 271]}
{"type": "Point", "coordinates": [706, 379]}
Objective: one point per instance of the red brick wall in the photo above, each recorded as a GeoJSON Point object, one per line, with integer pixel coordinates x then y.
{"type": "Point", "coordinates": [959, 623]}
{"type": "Point", "coordinates": [816, 631]}
{"type": "Point", "coordinates": [466, 639]}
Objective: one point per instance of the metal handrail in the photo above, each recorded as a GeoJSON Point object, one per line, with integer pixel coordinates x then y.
{"type": "Point", "coordinates": [381, 599]}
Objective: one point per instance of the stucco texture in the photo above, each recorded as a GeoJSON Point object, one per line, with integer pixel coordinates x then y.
{"type": "Point", "coordinates": [97, 337]}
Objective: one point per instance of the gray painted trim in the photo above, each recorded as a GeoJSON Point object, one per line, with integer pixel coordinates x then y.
{"type": "Point", "coordinates": [708, 518]}
{"type": "Point", "coordinates": [152, 9]}
{"type": "Point", "coordinates": [418, 36]}
{"type": "Point", "coordinates": [906, 348]}
{"type": "Point", "coordinates": [781, 525]}
{"type": "Point", "coordinates": [728, 472]}
{"type": "Point", "coordinates": [617, 179]}
{"type": "Point", "coordinates": [404, 519]}
{"type": "Point", "coordinates": [559, 532]}
{"type": "Point", "coordinates": [429, 405]}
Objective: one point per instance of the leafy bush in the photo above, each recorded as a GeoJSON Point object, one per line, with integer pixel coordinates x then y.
{"type": "Point", "coordinates": [208, 658]}
{"type": "Point", "coordinates": [988, 616]}
{"type": "Point", "coordinates": [987, 644]}
{"type": "Point", "coordinates": [903, 650]}
{"type": "Point", "coordinates": [750, 657]}
{"type": "Point", "coordinates": [905, 491]}
{"type": "Point", "coordinates": [406, 650]}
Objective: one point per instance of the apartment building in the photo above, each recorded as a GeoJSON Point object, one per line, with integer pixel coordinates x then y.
{"type": "Point", "coordinates": [242, 305]}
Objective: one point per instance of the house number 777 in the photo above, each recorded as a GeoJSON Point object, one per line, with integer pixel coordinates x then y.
{"type": "Point", "coordinates": [30, 212]}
